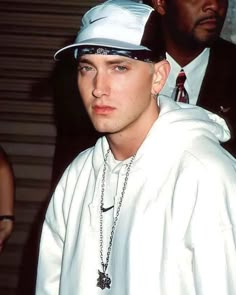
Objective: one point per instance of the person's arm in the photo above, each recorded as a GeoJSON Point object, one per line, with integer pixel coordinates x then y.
{"type": "Point", "coordinates": [214, 235]}
{"type": "Point", "coordinates": [49, 263]}
{"type": "Point", "coordinates": [51, 244]}
{"type": "Point", "coordinates": [7, 192]}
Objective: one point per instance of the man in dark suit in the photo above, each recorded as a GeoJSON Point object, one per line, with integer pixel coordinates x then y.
{"type": "Point", "coordinates": [191, 31]}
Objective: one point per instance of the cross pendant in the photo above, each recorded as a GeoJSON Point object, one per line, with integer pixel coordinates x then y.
{"type": "Point", "coordinates": [103, 280]}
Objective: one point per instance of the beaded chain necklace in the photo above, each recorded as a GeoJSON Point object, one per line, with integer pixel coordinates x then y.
{"type": "Point", "coordinates": [104, 281]}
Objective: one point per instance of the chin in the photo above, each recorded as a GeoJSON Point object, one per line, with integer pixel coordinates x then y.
{"type": "Point", "coordinates": [208, 40]}
{"type": "Point", "coordinates": [199, 42]}
{"type": "Point", "coordinates": [102, 129]}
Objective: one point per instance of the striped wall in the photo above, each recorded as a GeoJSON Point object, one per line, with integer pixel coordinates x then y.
{"type": "Point", "coordinates": [30, 33]}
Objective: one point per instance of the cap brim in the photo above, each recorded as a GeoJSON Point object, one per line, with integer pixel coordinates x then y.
{"type": "Point", "coordinates": [98, 42]}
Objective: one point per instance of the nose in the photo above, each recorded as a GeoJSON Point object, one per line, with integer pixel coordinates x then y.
{"type": "Point", "coordinates": [218, 6]}
{"type": "Point", "coordinates": [101, 85]}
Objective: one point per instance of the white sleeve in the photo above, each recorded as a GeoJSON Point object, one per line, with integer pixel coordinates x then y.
{"type": "Point", "coordinates": [51, 250]}
{"type": "Point", "coordinates": [52, 243]}
{"type": "Point", "coordinates": [214, 236]}
{"type": "Point", "coordinates": [49, 263]}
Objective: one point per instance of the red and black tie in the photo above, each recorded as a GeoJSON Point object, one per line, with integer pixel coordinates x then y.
{"type": "Point", "coordinates": [181, 94]}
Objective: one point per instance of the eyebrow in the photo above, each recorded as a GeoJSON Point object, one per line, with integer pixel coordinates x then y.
{"type": "Point", "coordinates": [116, 60]}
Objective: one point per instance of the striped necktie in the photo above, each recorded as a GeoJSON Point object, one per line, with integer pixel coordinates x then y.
{"type": "Point", "coordinates": [181, 94]}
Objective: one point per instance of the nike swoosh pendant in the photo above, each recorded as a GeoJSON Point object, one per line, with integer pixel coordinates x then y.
{"type": "Point", "coordinates": [107, 209]}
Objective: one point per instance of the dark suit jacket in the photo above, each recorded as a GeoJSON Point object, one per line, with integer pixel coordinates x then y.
{"type": "Point", "coordinates": [218, 90]}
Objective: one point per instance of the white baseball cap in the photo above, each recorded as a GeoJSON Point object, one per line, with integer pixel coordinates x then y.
{"type": "Point", "coordinates": [120, 24]}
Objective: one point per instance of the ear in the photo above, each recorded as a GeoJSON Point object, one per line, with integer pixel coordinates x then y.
{"type": "Point", "coordinates": [159, 6]}
{"type": "Point", "coordinates": [161, 72]}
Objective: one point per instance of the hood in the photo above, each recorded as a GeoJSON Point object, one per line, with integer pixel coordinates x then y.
{"type": "Point", "coordinates": [183, 119]}
{"type": "Point", "coordinates": [179, 126]}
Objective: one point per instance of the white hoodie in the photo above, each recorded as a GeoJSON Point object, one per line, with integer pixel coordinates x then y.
{"type": "Point", "coordinates": [176, 233]}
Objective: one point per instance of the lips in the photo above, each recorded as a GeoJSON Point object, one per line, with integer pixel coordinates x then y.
{"type": "Point", "coordinates": [209, 23]}
{"type": "Point", "coordinates": [103, 110]}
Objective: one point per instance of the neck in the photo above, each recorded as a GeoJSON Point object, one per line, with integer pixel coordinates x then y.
{"type": "Point", "coordinates": [126, 143]}
{"type": "Point", "coordinates": [183, 57]}
{"type": "Point", "coordinates": [124, 148]}
{"type": "Point", "coordinates": [182, 53]}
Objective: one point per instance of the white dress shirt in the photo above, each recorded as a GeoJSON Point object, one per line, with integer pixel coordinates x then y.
{"type": "Point", "coordinates": [194, 72]}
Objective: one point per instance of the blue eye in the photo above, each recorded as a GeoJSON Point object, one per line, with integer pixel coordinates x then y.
{"type": "Point", "coordinates": [84, 68]}
{"type": "Point", "coordinates": [121, 68]}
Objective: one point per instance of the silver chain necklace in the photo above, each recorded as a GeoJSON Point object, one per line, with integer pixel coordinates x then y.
{"type": "Point", "coordinates": [104, 281]}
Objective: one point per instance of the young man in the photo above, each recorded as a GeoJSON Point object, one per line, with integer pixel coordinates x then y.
{"type": "Point", "coordinates": [150, 209]}
{"type": "Point", "coordinates": [192, 35]}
